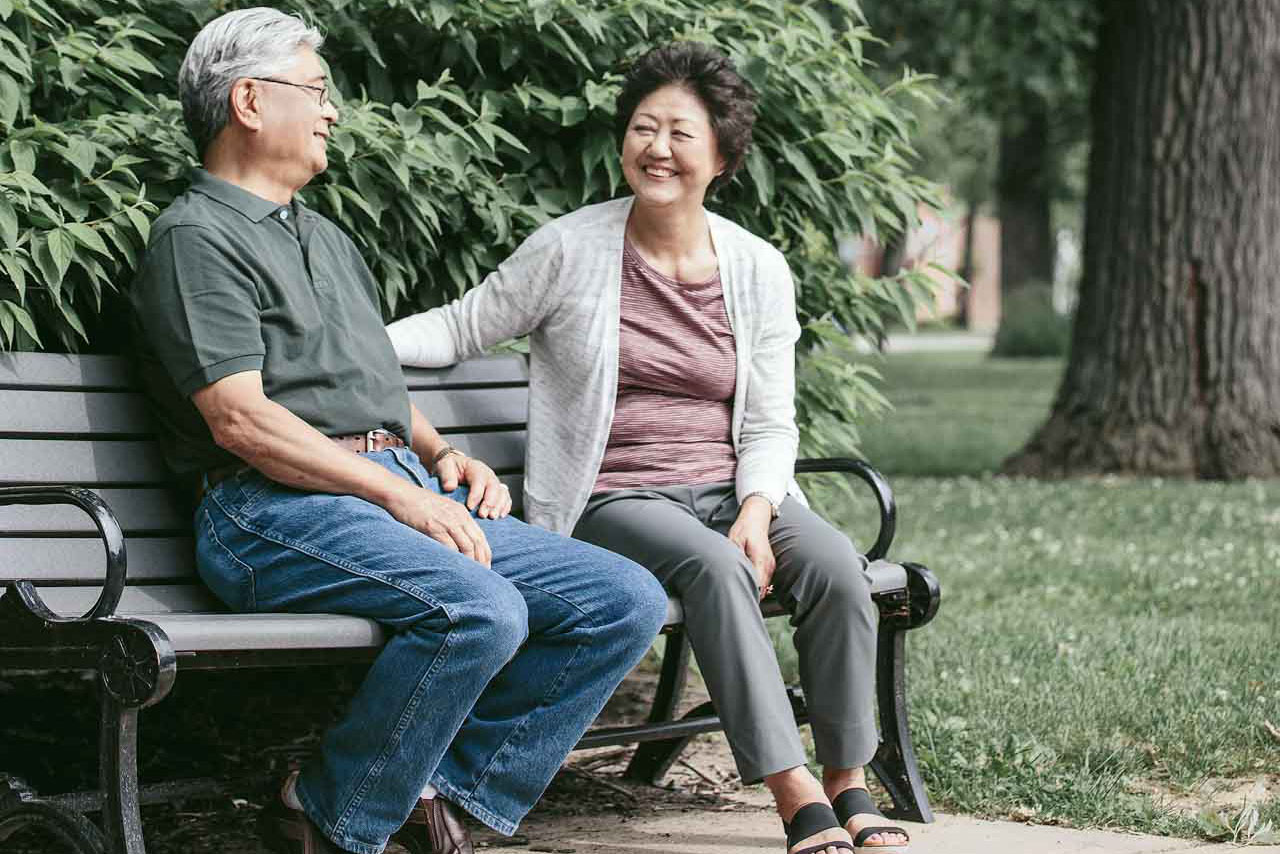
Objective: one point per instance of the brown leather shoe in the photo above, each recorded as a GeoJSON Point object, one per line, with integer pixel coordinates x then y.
{"type": "Point", "coordinates": [289, 831]}
{"type": "Point", "coordinates": [434, 827]}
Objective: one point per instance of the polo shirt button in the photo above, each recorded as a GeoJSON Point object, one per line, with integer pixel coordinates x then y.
{"type": "Point", "coordinates": [284, 213]}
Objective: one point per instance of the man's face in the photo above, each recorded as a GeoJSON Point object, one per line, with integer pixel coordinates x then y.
{"type": "Point", "coordinates": [295, 126]}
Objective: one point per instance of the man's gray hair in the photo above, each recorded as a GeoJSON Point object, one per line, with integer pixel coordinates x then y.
{"type": "Point", "coordinates": [258, 42]}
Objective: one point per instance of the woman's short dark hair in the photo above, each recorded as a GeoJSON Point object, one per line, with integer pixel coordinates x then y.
{"type": "Point", "coordinates": [712, 77]}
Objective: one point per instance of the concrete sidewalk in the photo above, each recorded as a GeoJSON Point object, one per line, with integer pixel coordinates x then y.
{"type": "Point", "coordinates": [932, 342]}
{"type": "Point", "coordinates": [747, 825]}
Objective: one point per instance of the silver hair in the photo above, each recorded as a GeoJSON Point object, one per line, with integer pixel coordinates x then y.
{"type": "Point", "coordinates": [258, 42]}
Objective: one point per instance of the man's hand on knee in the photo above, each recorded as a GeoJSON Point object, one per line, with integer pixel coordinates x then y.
{"type": "Point", "coordinates": [487, 493]}
{"type": "Point", "coordinates": [442, 519]}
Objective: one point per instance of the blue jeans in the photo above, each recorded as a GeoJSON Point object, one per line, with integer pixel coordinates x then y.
{"type": "Point", "coordinates": [488, 677]}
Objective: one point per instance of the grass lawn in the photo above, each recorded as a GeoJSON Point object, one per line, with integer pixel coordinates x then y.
{"type": "Point", "coordinates": [1108, 650]}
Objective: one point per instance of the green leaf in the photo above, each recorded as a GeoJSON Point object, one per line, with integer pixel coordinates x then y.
{"type": "Point", "coordinates": [360, 202]}
{"type": "Point", "coordinates": [441, 13]}
{"type": "Point", "coordinates": [140, 222]}
{"type": "Point", "coordinates": [410, 120]}
{"type": "Point", "coordinates": [802, 165]}
{"type": "Point", "coordinates": [6, 9]}
{"type": "Point", "coordinates": [16, 274]}
{"type": "Point", "coordinates": [73, 319]}
{"type": "Point", "coordinates": [572, 46]}
{"type": "Point", "coordinates": [8, 224]}
{"type": "Point", "coordinates": [468, 41]}
{"type": "Point", "coordinates": [24, 320]}
{"type": "Point", "coordinates": [88, 238]}
{"type": "Point", "coordinates": [61, 248]}
{"type": "Point", "coordinates": [761, 175]}
{"type": "Point", "coordinates": [641, 17]}
{"type": "Point", "coordinates": [6, 323]}
{"type": "Point", "coordinates": [83, 155]}
{"type": "Point", "coordinates": [24, 155]}
{"type": "Point", "coordinates": [10, 99]}
{"type": "Point", "coordinates": [572, 110]}
{"type": "Point", "coordinates": [543, 12]}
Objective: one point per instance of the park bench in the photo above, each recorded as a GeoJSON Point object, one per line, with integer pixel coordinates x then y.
{"type": "Point", "coordinates": [82, 485]}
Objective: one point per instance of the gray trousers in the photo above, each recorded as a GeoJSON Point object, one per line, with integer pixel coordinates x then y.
{"type": "Point", "coordinates": [679, 533]}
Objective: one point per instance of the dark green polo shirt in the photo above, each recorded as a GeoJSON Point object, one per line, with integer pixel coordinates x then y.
{"type": "Point", "coordinates": [234, 282]}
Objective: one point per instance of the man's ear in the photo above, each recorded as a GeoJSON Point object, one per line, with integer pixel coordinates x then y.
{"type": "Point", "coordinates": [246, 104]}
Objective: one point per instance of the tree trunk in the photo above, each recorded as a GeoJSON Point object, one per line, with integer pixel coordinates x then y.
{"type": "Point", "coordinates": [965, 300]}
{"type": "Point", "coordinates": [1023, 190]}
{"type": "Point", "coordinates": [1175, 362]}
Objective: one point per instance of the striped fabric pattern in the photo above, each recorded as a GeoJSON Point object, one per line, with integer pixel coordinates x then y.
{"type": "Point", "coordinates": [672, 422]}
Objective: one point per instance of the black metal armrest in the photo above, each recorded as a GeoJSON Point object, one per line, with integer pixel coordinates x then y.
{"type": "Point", "coordinates": [879, 486]}
{"type": "Point", "coordinates": [108, 528]}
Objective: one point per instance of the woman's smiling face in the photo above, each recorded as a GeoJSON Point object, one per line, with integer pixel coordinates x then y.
{"type": "Point", "coordinates": [669, 151]}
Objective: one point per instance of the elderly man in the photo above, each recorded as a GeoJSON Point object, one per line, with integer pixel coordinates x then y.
{"type": "Point", "coordinates": [281, 402]}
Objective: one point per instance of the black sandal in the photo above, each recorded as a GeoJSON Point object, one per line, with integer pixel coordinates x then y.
{"type": "Point", "coordinates": [808, 820]}
{"type": "Point", "coordinates": [853, 802]}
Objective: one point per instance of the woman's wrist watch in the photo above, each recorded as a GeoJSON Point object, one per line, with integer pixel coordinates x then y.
{"type": "Point", "coordinates": [773, 508]}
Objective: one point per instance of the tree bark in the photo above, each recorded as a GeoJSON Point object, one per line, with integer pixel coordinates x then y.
{"type": "Point", "coordinates": [965, 313]}
{"type": "Point", "coordinates": [1023, 184]}
{"type": "Point", "coordinates": [1175, 362]}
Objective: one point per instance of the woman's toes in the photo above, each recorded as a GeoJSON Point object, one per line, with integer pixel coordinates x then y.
{"type": "Point", "coordinates": [835, 834]}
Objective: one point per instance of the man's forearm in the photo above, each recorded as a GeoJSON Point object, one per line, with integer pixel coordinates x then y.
{"type": "Point", "coordinates": [427, 442]}
{"type": "Point", "coordinates": [288, 450]}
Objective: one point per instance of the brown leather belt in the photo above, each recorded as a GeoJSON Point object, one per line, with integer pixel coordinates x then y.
{"type": "Point", "coordinates": [357, 443]}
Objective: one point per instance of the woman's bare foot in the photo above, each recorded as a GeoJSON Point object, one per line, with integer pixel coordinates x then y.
{"type": "Point", "coordinates": [835, 781]}
{"type": "Point", "coordinates": [795, 788]}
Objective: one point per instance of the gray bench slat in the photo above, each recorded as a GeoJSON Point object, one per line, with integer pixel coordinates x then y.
{"type": "Point", "coordinates": [138, 463]}
{"type": "Point", "coordinates": [54, 461]}
{"type": "Point", "coordinates": [42, 370]}
{"type": "Point", "coordinates": [81, 560]}
{"type": "Point", "coordinates": [466, 408]}
{"type": "Point", "coordinates": [118, 413]}
{"type": "Point", "coordinates": [81, 412]}
{"type": "Point", "coordinates": [138, 600]}
{"type": "Point", "coordinates": [503, 368]}
{"type": "Point", "coordinates": [235, 632]}
{"type": "Point", "coordinates": [150, 509]}
{"type": "Point", "coordinates": [58, 370]}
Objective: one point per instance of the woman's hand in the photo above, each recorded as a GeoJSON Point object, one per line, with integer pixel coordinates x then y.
{"type": "Point", "coordinates": [750, 532]}
{"type": "Point", "coordinates": [487, 492]}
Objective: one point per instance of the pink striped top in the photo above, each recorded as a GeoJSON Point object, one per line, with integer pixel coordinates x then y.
{"type": "Point", "coordinates": [672, 423]}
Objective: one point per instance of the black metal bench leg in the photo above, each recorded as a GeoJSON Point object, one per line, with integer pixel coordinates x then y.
{"type": "Point", "coordinates": [895, 762]}
{"type": "Point", "coordinates": [653, 759]}
{"type": "Point", "coordinates": [118, 768]}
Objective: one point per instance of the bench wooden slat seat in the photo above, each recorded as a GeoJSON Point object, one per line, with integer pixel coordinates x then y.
{"type": "Point", "coordinates": [97, 569]}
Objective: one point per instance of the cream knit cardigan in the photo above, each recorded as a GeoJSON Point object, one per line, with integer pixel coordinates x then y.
{"type": "Point", "coordinates": [561, 287]}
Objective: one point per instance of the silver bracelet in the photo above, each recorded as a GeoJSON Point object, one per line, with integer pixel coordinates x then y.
{"type": "Point", "coordinates": [773, 508]}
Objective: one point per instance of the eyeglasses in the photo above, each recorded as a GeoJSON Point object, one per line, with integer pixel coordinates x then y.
{"type": "Point", "coordinates": [323, 90]}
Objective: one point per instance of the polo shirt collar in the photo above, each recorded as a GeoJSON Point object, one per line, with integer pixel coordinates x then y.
{"type": "Point", "coordinates": [249, 204]}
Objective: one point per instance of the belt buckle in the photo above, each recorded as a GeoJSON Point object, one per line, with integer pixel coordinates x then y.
{"type": "Point", "coordinates": [368, 441]}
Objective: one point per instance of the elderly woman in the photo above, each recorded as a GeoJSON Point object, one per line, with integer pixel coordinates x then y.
{"type": "Point", "coordinates": [662, 427]}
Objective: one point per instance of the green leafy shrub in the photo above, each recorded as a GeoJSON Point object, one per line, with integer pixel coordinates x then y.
{"type": "Point", "coordinates": [1030, 325]}
{"type": "Point", "coordinates": [465, 125]}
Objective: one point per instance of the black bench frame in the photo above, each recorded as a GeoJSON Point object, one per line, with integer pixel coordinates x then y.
{"type": "Point", "coordinates": [137, 667]}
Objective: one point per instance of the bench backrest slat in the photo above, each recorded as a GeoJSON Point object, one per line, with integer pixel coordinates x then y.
{"type": "Point", "coordinates": [79, 560]}
{"type": "Point", "coordinates": [150, 510]}
{"type": "Point", "coordinates": [73, 461]}
{"type": "Point", "coordinates": [57, 370]}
